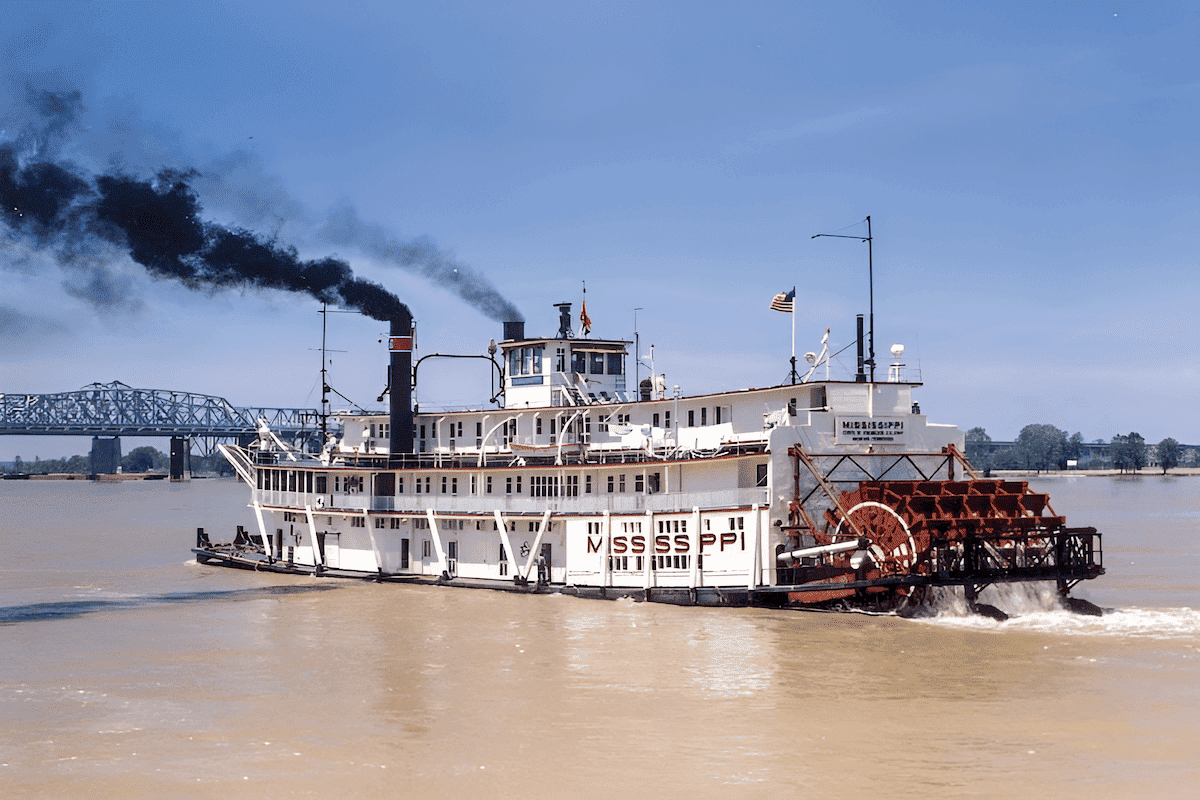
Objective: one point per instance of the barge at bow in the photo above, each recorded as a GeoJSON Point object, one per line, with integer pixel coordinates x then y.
{"type": "Point", "coordinates": [817, 494]}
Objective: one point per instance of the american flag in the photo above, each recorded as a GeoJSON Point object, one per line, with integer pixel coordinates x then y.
{"type": "Point", "coordinates": [784, 301]}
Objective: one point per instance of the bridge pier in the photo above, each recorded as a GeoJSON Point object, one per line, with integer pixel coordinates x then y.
{"type": "Point", "coordinates": [106, 455]}
{"type": "Point", "coordinates": [181, 458]}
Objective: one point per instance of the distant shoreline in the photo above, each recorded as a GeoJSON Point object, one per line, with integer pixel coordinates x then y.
{"type": "Point", "coordinates": [1147, 472]}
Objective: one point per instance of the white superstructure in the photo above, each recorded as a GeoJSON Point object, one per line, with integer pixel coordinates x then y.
{"type": "Point", "coordinates": [579, 480]}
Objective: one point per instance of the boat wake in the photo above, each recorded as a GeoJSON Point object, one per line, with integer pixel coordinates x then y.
{"type": "Point", "coordinates": [1035, 607]}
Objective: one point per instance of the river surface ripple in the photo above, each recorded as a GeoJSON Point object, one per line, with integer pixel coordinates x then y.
{"type": "Point", "coordinates": [128, 670]}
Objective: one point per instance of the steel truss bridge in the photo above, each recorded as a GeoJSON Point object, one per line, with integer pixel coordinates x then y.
{"type": "Point", "coordinates": [115, 410]}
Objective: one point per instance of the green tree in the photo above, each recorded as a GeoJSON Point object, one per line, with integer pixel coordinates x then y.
{"type": "Point", "coordinates": [1041, 447]}
{"type": "Point", "coordinates": [1168, 454]}
{"type": "Point", "coordinates": [140, 459]}
{"type": "Point", "coordinates": [1118, 452]}
{"type": "Point", "coordinates": [1128, 453]}
{"type": "Point", "coordinates": [1137, 451]}
{"type": "Point", "coordinates": [979, 451]}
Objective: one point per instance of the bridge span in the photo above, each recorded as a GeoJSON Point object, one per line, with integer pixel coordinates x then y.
{"type": "Point", "coordinates": [108, 411]}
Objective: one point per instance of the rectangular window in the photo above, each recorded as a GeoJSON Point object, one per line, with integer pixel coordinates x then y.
{"type": "Point", "coordinates": [425, 548]}
{"type": "Point", "coordinates": [518, 484]}
{"type": "Point", "coordinates": [587, 484]}
{"type": "Point", "coordinates": [578, 362]}
{"type": "Point", "coordinates": [358, 522]}
{"type": "Point", "coordinates": [639, 483]}
{"type": "Point", "coordinates": [322, 484]}
{"type": "Point", "coordinates": [503, 562]}
{"type": "Point", "coordinates": [537, 361]}
{"type": "Point", "coordinates": [537, 426]}
{"type": "Point", "coordinates": [760, 475]}
{"type": "Point", "coordinates": [615, 363]}
{"type": "Point", "coordinates": [508, 485]}
{"type": "Point", "coordinates": [704, 416]}
{"type": "Point", "coordinates": [691, 417]}
{"type": "Point", "coordinates": [717, 415]}
{"type": "Point", "coordinates": [488, 484]}
{"type": "Point", "coordinates": [621, 482]}
{"type": "Point", "coordinates": [454, 486]}
{"type": "Point", "coordinates": [654, 420]}
{"type": "Point", "coordinates": [380, 522]}
{"type": "Point", "coordinates": [667, 419]}
{"type": "Point", "coordinates": [596, 363]}
{"type": "Point", "coordinates": [560, 360]}
{"type": "Point", "coordinates": [610, 484]}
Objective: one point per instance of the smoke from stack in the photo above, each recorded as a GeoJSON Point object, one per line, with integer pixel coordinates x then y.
{"type": "Point", "coordinates": [159, 223]}
{"type": "Point", "coordinates": [84, 220]}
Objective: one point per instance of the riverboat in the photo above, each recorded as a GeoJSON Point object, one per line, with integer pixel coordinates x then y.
{"type": "Point", "coordinates": [817, 493]}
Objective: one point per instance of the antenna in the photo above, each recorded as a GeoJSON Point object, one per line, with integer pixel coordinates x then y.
{"type": "Point", "coordinates": [870, 289]}
{"type": "Point", "coordinates": [637, 351]}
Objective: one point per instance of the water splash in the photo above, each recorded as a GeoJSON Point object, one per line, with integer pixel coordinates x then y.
{"type": "Point", "coordinates": [1036, 608]}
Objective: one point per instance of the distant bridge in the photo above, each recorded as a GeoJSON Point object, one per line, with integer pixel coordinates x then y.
{"type": "Point", "coordinates": [113, 410]}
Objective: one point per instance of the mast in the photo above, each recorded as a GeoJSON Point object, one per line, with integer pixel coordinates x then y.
{"type": "Point", "coordinates": [870, 359]}
{"type": "Point", "coordinates": [871, 296]}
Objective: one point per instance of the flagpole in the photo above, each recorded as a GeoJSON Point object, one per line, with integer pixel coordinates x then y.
{"type": "Point", "coordinates": [793, 334]}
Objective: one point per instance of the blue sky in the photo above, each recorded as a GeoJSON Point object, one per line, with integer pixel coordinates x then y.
{"type": "Point", "coordinates": [1029, 169]}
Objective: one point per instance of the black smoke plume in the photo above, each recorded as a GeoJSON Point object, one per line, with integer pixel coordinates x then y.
{"type": "Point", "coordinates": [421, 256]}
{"type": "Point", "coordinates": [81, 218]}
{"type": "Point", "coordinates": [159, 223]}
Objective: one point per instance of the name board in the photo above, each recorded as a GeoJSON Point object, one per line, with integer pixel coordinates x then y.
{"type": "Point", "coordinates": [869, 430]}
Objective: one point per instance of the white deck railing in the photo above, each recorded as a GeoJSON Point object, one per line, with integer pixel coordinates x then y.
{"type": "Point", "coordinates": [518, 504]}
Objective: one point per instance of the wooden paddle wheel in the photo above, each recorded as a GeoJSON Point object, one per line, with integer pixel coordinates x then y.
{"type": "Point", "coordinates": [879, 541]}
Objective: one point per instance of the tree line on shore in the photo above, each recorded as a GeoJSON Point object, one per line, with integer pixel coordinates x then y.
{"type": "Point", "coordinates": [1045, 447]}
{"type": "Point", "coordinates": [137, 460]}
{"type": "Point", "coordinates": [1038, 447]}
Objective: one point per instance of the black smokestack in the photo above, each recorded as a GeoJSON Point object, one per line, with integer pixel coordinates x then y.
{"type": "Point", "coordinates": [860, 376]}
{"type": "Point", "coordinates": [400, 392]}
